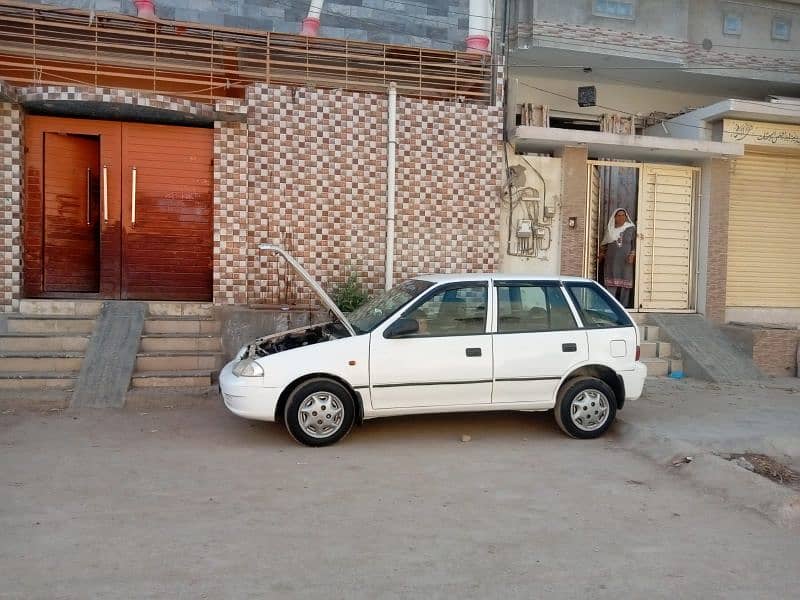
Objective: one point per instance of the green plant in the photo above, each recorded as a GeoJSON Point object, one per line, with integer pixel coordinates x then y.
{"type": "Point", "coordinates": [351, 294]}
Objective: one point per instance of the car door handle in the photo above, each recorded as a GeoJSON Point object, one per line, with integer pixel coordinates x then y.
{"type": "Point", "coordinates": [569, 347]}
{"type": "Point", "coordinates": [473, 352]}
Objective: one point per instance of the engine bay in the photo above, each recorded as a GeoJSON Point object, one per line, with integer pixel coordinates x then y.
{"type": "Point", "coordinates": [307, 336]}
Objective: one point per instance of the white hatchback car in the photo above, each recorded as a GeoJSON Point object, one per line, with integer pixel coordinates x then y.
{"type": "Point", "coordinates": [446, 343]}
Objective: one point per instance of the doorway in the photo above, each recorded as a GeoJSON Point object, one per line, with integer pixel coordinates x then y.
{"type": "Point", "coordinates": [71, 213]}
{"type": "Point", "coordinates": [661, 201]}
{"type": "Point", "coordinates": [117, 210]}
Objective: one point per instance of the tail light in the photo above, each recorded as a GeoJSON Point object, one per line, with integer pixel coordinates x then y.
{"type": "Point", "coordinates": [638, 352]}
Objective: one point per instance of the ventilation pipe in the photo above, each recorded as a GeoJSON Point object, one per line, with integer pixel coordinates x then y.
{"type": "Point", "coordinates": [480, 26]}
{"type": "Point", "coordinates": [311, 22]}
{"type": "Point", "coordinates": [145, 9]}
{"type": "Point", "coordinates": [390, 184]}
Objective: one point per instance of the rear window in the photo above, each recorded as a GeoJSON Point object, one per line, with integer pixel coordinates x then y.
{"type": "Point", "coordinates": [596, 308]}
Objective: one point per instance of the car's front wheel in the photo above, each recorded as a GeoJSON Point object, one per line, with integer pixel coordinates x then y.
{"type": "Point", "coordinates": [586, 408]}
{"type": "Point", "coordinates": [319, 412]}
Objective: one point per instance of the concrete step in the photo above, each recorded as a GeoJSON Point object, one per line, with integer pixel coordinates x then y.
{"type": "Point", "coordinates": [177, 361]}
{"type": "Point", "coordinates": [639, 318]}
{"type": "Point", "coordinates": [17, 323]}
{"type": "Point", "coordinates": [172, 379]}
{"type": "Point", "coordinates": [182, 325]}
{"type": "Point", "coordinates": [656, 367]}
{"type": "Point", "coordinates": [180, 309]}
{"type": "Point", "coordinates": [21, 380]}
{"type": "Point", "coordinates": [91, 308]}
{"type": "Point", "coordinates": [32, 342]}
{"type": "Point", "coordinates": [651, 333]}
{"type": "Point", "coordinates": [47, 399]}
{"type": "Point", "coordinates": [664, 350]}
{"type": "Point", "coordinates": [65, 308]}
{"type": "Point", "coordinates": [38, 362]}
{"type": "Point", "coordinates": [648, 349]}
{"type": "Point", "coordinates": [160, 342]}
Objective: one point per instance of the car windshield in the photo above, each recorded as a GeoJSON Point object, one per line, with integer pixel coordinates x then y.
{"type": "Point", "coordinates": [371, 314]}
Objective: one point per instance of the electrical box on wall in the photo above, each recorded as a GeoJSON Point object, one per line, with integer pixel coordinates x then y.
{"type": "Point", "coordinates": [587, 96]}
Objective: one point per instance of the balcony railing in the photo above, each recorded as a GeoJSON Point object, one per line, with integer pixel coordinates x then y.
{"type": "Point", "coordinates": [55, 46]}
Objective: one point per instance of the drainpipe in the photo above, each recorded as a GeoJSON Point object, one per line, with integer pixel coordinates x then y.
{"type": "Point", "coordinates": [480, 26]}
{"type": "Point", "coordinates": [390, 184]}
{"type": "Point", "coordinates": [311, 22]}
{"type": "Point", "coordinates": [145, 9]}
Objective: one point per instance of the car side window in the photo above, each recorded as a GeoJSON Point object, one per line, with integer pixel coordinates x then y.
{"type": "Point", "coordinates": [596, 309]}
{"type": "Point", "coordinates": [451, 311]}
{"type": "Point", "coordinates": [523, 307]}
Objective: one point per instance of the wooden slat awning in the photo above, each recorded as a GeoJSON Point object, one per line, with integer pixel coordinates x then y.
{"type": "Point", "coordinates": [50, 45]}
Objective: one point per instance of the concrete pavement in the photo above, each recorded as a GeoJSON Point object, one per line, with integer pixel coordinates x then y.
{"type": "Point", "coordinates": [196, 503]}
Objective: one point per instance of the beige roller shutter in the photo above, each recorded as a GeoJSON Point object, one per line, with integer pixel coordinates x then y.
{"type": "Point", "coordinates": [664, 253]}
{"type": "Point", "coordinates": [764, 232]}
{"type": "Point", "coordinates": [592, 210]}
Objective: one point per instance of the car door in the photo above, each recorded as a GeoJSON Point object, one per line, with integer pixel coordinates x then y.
{"type": "Point", "coordinates": [536, 342]}
{"type": "Point", "coordinates": [447, 362]}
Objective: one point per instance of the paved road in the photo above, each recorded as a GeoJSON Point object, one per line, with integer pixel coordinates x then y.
{"type": "Point", "coordinates": [196, 503]}
{"type": "Point", "coordinates": [759, 417]}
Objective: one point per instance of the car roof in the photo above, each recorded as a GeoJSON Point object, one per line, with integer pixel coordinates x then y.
{"type": "Point", "coordinates": [457, 277]}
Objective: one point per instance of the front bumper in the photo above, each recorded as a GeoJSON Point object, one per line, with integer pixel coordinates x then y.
{"type": "Point", "coordinates": [246, 396]}
{"type": "Point", "coordinates": [634, 381]}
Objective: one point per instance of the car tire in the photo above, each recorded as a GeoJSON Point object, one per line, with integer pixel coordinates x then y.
{"type": "Point", "coordinates": [586, 407]}
{"type": "Point", "coordinates": [319, 412]}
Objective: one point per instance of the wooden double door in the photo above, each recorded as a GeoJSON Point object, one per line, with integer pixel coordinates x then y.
{"type": "Point", "coordinates": [117, 210]}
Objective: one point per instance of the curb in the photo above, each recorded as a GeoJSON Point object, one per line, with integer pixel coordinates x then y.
{"type": "Point", "coordinates": [713, 474]}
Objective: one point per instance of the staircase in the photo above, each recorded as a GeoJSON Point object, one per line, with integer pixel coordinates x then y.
{"type": "Point", "coordinates": [661, 358]}
{"type": "Point", "coordinates": [43, 346]}
{"type": "Point", "coordinates": [180, 347]}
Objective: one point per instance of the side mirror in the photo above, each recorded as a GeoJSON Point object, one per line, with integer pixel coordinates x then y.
{"type": "Point", "coordinates": [402, 327]}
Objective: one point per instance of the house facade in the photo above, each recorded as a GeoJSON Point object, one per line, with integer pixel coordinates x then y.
{"type": "Point", "coordinates": [683, 113]}
{"type": "Point", "coordinates": [145, 158]}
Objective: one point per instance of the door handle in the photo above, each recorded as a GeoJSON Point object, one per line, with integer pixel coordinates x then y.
{"type": "Point", "coordinates": [471, 352]}
{"type": "Point", "coordinates": [88, 196]}
{"type": "Point", "coordinates": [105, 193]}
{"type": "Point", "coordinates": [569, 347]}
{"type": "Point", "coordinates": [133, 196]}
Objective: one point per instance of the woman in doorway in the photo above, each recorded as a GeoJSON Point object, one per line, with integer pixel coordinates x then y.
{"type": "Point", "coordinates": [618, 252]}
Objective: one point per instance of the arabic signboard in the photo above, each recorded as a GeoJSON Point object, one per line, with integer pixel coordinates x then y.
{"type": "Point", "coordinates": [760, 134]}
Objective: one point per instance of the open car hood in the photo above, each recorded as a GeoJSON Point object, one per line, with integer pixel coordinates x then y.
{"type": "Point", "coordinates": [329, 303]}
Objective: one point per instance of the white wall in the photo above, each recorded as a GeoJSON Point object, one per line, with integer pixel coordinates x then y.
{"type": "Point", "coordinates": [558, 94]}
{"type": "Point", "coordinates": [549, 262]}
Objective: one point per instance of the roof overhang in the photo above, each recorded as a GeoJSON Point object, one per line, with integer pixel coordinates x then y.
{"type": "Point", "coordinates": [622, 146]}
{"type": "Point", "coordinates": [746, 110]}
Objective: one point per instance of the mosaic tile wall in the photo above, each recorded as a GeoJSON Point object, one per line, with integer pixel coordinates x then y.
{"type": "Point", "coordinates": [230, 213]}
{"type": "Point", "coordinates": [10, 205]}
{"type": "Point", "coordinates": [308, 170]}
{"type": "Point", "coordinates": [317, 163]}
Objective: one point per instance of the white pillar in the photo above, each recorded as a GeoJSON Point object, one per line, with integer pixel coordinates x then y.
{"type": "Point", "coordinates": [480, 26]}
{"type": "Point", "coordinates": [311, 22]}
{"type": "Point", "coordinates": [390, 185]}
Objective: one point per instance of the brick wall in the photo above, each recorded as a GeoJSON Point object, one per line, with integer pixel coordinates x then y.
{"type": "Point", "coordinates": [717, 269]}
{"type": "Point", "coordinates": [775, 351]}
{"type": "Point", "coordinates": [575, 181]}
{"type": "Point", "coordinates": [10, 205]}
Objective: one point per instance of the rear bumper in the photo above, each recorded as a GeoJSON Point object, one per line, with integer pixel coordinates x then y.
{"type": "Point", "coordinates": [634, 381]}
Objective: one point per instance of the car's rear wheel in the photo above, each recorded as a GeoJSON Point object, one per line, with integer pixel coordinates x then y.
{"type": "Point", "coordinates": [319, 412]}
{"type": "Point", "coordinates": [586, 407]}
